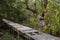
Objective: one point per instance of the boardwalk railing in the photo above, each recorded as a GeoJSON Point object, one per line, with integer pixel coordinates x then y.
{"type": "Point", "coordinates": [29, 33]}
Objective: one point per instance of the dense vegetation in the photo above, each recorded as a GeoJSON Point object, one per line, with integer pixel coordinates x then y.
{"type": "Point", "coordinates": [5, 35]}
{"type": "Point", "coordinates": [27, 12]}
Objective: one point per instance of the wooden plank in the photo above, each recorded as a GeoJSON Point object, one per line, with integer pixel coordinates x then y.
{"type": "Point", "coordinates": [30, 33]}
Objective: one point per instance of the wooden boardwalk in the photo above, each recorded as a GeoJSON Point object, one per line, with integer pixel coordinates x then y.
{"type": "Point", "coordinates": [29, 33]}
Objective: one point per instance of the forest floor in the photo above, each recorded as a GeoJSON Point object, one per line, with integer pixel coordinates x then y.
{"type": "Point", "coordinates": [6, 34]}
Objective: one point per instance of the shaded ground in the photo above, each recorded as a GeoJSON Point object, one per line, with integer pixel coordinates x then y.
{"type": "Point", "coordinates": [6, 34]}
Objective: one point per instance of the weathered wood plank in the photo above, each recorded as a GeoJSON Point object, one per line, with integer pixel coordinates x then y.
{"type": "Point", "coordinates": [30, 33]}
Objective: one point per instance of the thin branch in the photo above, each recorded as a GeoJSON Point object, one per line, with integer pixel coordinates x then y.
{"type": "Point", "coordinates": [45, 3]}
{"type": "Point", "coordinates": [28, 8]}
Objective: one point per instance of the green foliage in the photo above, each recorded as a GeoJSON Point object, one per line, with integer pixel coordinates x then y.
{"type": "Point", "coordinates": [33, 22]}
{"type": "Point", "coordinates": [7, 36]}
{"type": "Point", "coordinates": [52, 18]}
{"type": "Point", "coordinates": [19, 38]}
{"type": "Point", "coordinates": [16, 11]}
